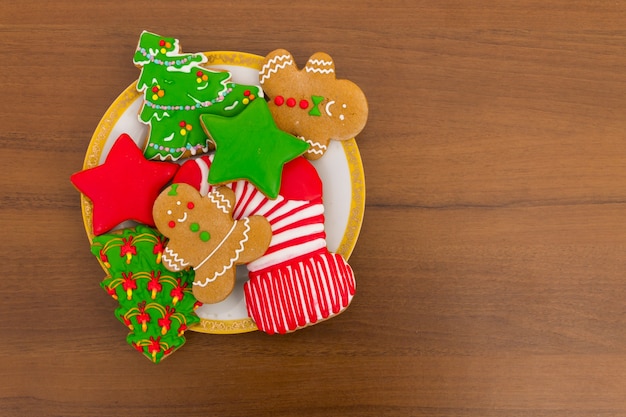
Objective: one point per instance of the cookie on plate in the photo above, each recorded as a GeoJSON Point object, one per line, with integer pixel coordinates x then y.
{"type": "Point", "coordinates": [297, 282]}
{"type": "Point", "coordinates": [203, 235]}
{"type": "Point", "coordinates": [312, 103]}
{"type": "Point", "coordinates": [124, 187]}
{"type": "Point", "coordinates": [177, 89]}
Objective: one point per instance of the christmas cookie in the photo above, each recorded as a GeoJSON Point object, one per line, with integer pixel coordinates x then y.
{"type": "Point", "coordinates": [312, 103]}
{"type": "Point", "coordinates": [297, 282]}
{"type": "Point", "coordinates": [249, 146]}
{"type": "Point", "coordinates": [176, 91]}
{"type": "Point", "coordinates": [124, 187]}
{"type": "Point", "coordinates": [203, 235]}
{"type": "Point", "coordinates": [155, 304]}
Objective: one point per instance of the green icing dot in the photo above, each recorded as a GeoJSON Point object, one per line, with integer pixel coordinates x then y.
{"type": "Point", "coordinates": [194, 227]}
{"type": "Point", "coordinates": [205, 236]}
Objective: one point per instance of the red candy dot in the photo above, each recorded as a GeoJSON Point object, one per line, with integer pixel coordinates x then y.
{"type": "Point", "coordinates": [162, 43]}
{"type": "Point", "coordinates": [172, 224]}
{"type": "Point", "coordinates": [182, 123]}
{"type": "Point", "coordinates": [199, 74]}
{"type": "Point", "coordinates": [246, 93]}
{"type": "Point", "coordinates": [190, 205]}
{"type": "Point", "coordinates": [155, 89]}
{"type": "Point", "coordinates": [291, 102]}
{"type": "Point", "coordinates": [279, 100]}
{"type": "Point", "coordinates": [304, 104]}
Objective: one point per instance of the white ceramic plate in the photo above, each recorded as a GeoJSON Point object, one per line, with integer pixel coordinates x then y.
{"type": "Point", "coordinates": [340, 169]}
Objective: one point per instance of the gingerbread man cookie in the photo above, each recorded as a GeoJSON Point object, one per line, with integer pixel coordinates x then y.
{"type": "Point", "coordinates": [203, 235]}
{"type": "Point", "coordinates": [312, 103]}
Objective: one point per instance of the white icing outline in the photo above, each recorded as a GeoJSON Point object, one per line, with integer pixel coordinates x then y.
{"type": "Point", "coordinates": [232, 261]}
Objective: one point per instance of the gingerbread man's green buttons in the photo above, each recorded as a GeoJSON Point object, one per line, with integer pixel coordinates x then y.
{"type": "Point", "coordinates": [205, 236]}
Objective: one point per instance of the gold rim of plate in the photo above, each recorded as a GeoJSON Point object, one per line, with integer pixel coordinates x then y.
{"type": "Point", "coordinates": [242, 59]}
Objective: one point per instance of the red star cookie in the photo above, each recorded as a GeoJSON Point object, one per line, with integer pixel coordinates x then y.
{"type": "Point", "coordinates": [124, 187]}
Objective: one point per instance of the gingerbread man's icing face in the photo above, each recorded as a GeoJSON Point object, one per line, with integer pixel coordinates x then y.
{"type": "Point", "coordinates": [312, 103]}
{"type": "Point", "coordinates": [203, 235]}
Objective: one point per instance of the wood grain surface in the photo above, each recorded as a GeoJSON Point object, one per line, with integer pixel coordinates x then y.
{"type": "Point", "coordinates": [491, 265]}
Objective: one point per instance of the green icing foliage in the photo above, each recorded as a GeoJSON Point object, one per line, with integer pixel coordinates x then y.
{"type": "Point", "coordinates": [155, 304]}
{"type": "Point", "coordinates": [177, 90]}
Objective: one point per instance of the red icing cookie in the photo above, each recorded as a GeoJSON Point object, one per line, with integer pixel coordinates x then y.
{"type": "Point", "coordinates": [124, 187]}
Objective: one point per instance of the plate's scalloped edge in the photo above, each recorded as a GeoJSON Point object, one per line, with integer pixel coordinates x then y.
{"type": "Point", "coordinates": [357, 205]}
{"type": "Point", "coordinates": [130, 94]}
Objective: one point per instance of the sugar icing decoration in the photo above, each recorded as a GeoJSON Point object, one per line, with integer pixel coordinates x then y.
{"type": "Point", "coordinates": [250, 146]}
{"type": "Point", "coordinates": [124, 186]}
{"type": "Point", "coordinates": [208, 239]}
{"type": "Point", "coordinates": [338, 106]}
{"type": "Point", "coordinates": [177, 89]}
{"type": "Point", "coordinates": [297, 282]}
{"type": "Point", "coordinates": [156, 305]}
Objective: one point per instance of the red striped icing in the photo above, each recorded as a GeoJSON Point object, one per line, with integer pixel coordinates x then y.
{"type": "Point", "coordinates": [297, 282]}
{"type": "Point", "coordinates": [300, 293]}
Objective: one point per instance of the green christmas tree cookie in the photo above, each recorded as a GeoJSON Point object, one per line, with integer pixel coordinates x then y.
{"type": "Point", "coordinates": [176, 91]}
{"type": "Point", "coordinates": [155, 304]}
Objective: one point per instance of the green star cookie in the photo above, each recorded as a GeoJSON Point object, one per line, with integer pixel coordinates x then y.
{"type": "Point", "coordinates": [249, 146]}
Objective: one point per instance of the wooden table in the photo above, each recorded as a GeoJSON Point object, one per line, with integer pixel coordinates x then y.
{"type": "Point", "coordinates": [491, 265]}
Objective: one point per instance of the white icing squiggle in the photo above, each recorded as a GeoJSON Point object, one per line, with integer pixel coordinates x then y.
{"type": "Point", "coordinates": [320, 62]}
{"type": "Point", "coordinates": [320, 70]}
{"type": "Point", "coordinates": [274, 70]}
{"type": "Point", "coordinates": [172, 261]}
{"type": "Point", "coordinates": [273, 60]}
{"type": "Point", "coordinates": [220, 201]}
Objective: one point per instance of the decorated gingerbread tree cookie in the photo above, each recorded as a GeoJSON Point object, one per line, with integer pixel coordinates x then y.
{"type": "Point", "coordinates": [176, 91]}
{"type": "Point", "coordinates": [155, 304]}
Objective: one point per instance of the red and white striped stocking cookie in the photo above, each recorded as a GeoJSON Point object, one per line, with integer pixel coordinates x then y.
{"type": "Point", "coordinates": [297, 282]}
